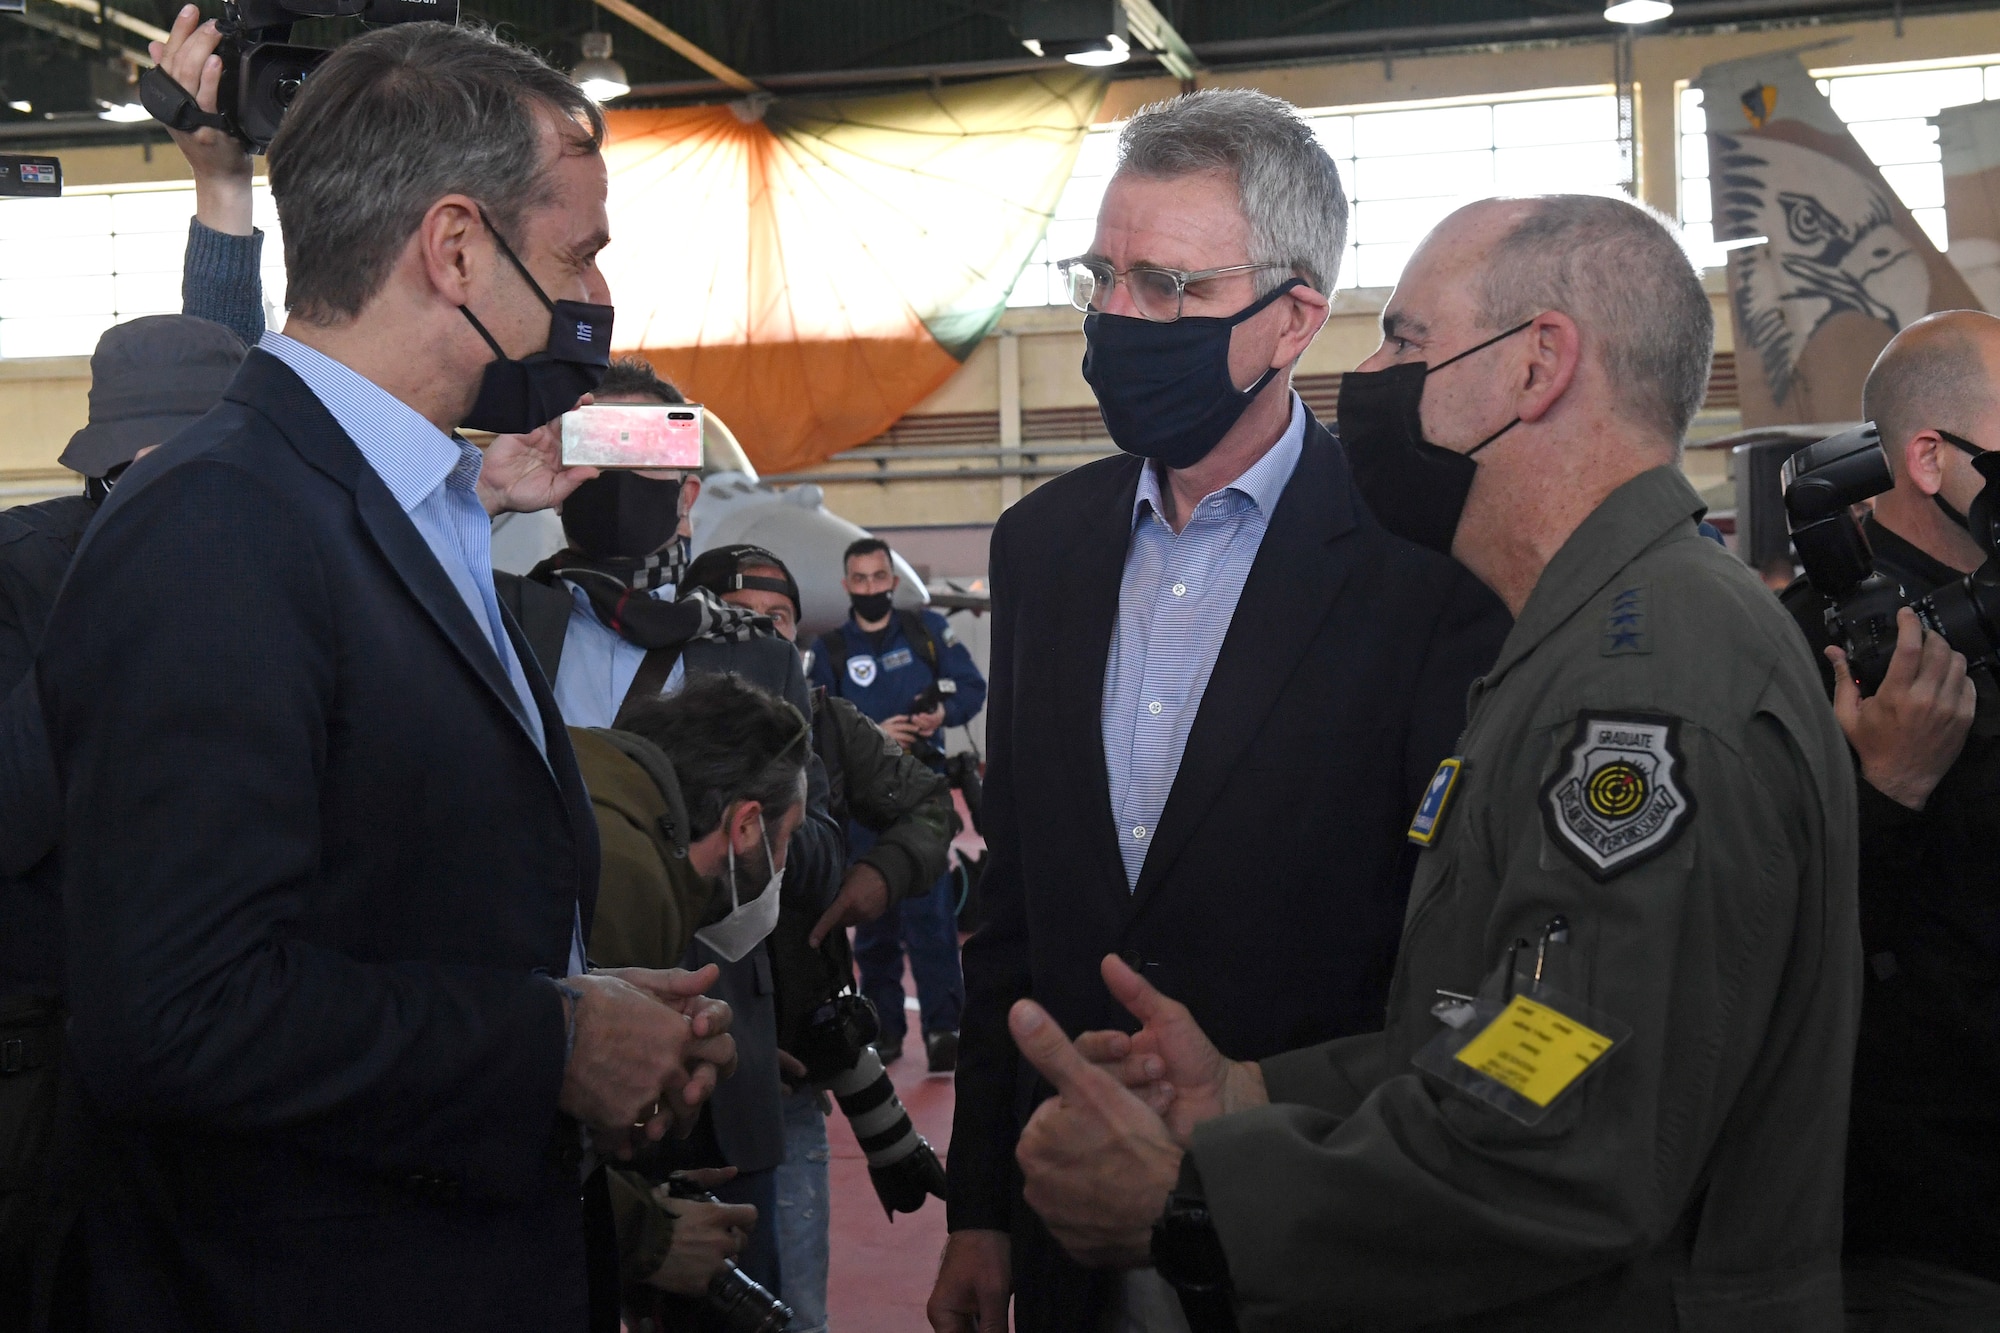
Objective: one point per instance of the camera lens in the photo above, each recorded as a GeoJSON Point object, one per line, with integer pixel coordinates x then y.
{"type": "Point", "coordinates": [287, 88]}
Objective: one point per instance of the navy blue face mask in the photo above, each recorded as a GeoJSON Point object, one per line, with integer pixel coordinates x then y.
{"type": "Point", "coordinates": [518, 396]}
{"type": "Point", "coordinates": [1164, 389]}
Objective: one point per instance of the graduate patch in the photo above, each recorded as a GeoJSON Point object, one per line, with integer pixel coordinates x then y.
{"type": "Point", "coordinates": [1619, 799]}
{"type": "Point", "coordinates": [861, 670]}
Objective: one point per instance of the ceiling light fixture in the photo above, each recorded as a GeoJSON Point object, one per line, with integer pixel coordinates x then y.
{"type": "Point", "coordinates": [1637, 11]}
{"type": "Point", "coordinates": [600, 77]}
{"type": "Point", "coordinates": [124, 113]}
{"type": "Point", "coordinates": [1113, 50]}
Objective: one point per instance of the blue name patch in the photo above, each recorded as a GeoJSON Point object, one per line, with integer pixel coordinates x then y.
{"type": "Point", "coordinates": [1430, 811]}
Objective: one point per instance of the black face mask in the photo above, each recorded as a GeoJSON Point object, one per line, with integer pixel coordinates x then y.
{"type": "Point", "coordinates": [1164, 389]}
{"type": "Point", "coordinates": [1415, 489]}
{"type": "Point", "coordinates": [1963, 445]}
{"type": "Point", "coordinates": [622, 515]}
{"type": "Point", "coordinates": [869, 605]}
{"type": "Point", "coordinates": [516, 397]}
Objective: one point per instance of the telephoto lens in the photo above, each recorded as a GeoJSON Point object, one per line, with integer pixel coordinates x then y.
{"type": "Point", "coordinates": [745, 1304]}
{"type": "Point", "coordinates": [901, 1165]}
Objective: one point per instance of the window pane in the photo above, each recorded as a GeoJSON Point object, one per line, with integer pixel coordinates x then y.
{"type": "Point", "coordinates": [56, 256]}
{"type": "Point", "coordinates": [1381, 265]}
{"type": "Point", "coordinates": [1431, 131]}
{"type": "Point", "coordinates": [1336, 135]}
{"type": "Point", "coordinates": [1919, 186]}
{"type": "Point", "coordinates": [1890, 141]}
{"type": "Point", "coordinates": [152, 210]}
{"type": "Point", "coordinates": [71, 335]}
{"type": "Point", "coordinates": [1099, 153]}
{"type": "Point", "coordinates": [1070, 238]}
{"type": "Point", "coordinates": [1917, 93]}
{"type": "Point", "coordinates": [1082, 197]}
{"type": "Point", "coordinates": [149, 252]}
{"type": "Point", "coordinates": [1400, 221]}
{"type": "Point", "coordinates": [1033, 288]}
{"type": "Point", "coordinates": [1693, 119]}
{"type": "Point", "coordinates": [1568, 167]}
{"type": "Point", "coordinates": [1932, 221]}
{"type": "Point", "coordinates": [1561, 120]}
{"type": "Point", "coordinates": [1347, 275]}
{"type": "Point", "coordinates": [1414, 177]}
{"type": "Point", "coordinates": [148, 294]}
{"type": "Point", "coordinates": [34, 298]}
{"type": "Point", "coordinates": [35, 219]}
{"type": "Point", "coordinates": [1694, 156]}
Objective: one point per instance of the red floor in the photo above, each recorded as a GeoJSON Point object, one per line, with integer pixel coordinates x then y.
{"type": "Point", "coordinates": [880, 1274]}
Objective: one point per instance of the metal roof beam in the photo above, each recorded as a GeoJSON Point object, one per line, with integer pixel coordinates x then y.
{"type": "Point", "coordinates": [678, 44]}
{"type": "Point", "coordinates": [1144, 21]}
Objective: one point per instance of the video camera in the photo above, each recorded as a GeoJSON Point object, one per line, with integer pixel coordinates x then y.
{"type": "Point", "coordinates": [1822, 483]}
{"type": "Point", "coordinates": [262, 71]}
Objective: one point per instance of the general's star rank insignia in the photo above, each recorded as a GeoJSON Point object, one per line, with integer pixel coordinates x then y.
{"type": "Point", "coordinates": [1620, 799]}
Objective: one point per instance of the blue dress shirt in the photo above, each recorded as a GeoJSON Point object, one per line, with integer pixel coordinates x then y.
{"type": "Point", "coordinates": [1175, 603]}
{"type": "Point", "coordinates": [598, 665]}
{"type": "Point", "coordinates": [434, 477]}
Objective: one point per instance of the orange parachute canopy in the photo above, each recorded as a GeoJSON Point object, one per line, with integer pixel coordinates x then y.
{"type": "Point", "coordinates": [811, 273]}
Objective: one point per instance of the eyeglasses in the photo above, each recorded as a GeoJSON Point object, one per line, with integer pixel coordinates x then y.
{"type": "Point", "coordinates": [1156, 292]}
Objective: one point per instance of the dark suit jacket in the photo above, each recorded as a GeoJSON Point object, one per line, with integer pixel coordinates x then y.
{"type": "Point", "coordinates": [1272, 897]}
{"type": "Point", "coordinates": [313, 862]}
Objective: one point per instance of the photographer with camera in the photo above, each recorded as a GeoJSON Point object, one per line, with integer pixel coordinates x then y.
{"type": "Point", "coordinates": [907, 672]}
{"type": "Point", "coordinates": [823, 1027]}
{"type": "Point", "coordinates": [1923, 1164]}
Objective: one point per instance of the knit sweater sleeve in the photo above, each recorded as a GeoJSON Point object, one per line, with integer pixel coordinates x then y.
{"type": "Point", "coordinates": [221, 280]}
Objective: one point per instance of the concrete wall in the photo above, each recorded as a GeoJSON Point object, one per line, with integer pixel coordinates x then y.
{"type": "Point", "coordinates": [41, 403]}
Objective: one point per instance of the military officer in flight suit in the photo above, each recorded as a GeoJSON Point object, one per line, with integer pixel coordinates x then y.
{"type": "Point", "coordinates": [1612, 1090]}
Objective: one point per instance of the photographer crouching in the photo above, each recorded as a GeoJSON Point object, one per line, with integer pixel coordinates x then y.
{"type": "Point", "coordinates": [1923, 1166]}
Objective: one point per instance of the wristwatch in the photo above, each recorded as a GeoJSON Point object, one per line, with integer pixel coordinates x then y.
{"type": "Point", "coordinates": [1189, 1256]}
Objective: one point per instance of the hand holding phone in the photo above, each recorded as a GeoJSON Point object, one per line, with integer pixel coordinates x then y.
{"type": "Point", "coordinates": [633, 435]}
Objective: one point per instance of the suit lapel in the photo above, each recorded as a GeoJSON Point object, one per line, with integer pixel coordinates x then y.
{"type": "Point", "coordinates": [1091, 572]}
{"type": "Point", "coordinates": [270, 386]}
{"type": "Point", "coordinates": [1296, 578]}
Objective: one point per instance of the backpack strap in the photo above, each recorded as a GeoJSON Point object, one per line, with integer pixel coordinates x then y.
{"type": "Point", "coordinates": [919, 635]}
{"type": "Point", "coordinates": [542, 611]}
{"type": "Point", "coordinates": [832, 647]}
{"type": "Point", "coordinates": [651, 677]}
{"type": "Point", "coordinates": [674, 823]}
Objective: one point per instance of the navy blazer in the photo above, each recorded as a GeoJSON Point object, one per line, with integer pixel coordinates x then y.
{"type": "Point", "coordinates": [1271, 900]}
{"type": "Point", "coordinates": [313, 862]}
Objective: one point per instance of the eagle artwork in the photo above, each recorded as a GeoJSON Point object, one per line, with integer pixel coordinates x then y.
{"type": "Point", "coordinates": [1842, 264]}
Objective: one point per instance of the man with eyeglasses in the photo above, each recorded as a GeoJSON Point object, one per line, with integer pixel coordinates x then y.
{"type": "Point", "coordinates": [1610, 1094]}
{"type": "Point", "coordinates": [1923, 1154]}
{"type": "Point", "coordinates": [1219, 686]}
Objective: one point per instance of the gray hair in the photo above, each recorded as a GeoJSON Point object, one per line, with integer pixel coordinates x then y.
{"type": "Point", "coordinates": [1615, 268]}
{"type": "Point", "coordinates": [1286, 183]}
{"type": "Point", "coordinates": [392, 122]}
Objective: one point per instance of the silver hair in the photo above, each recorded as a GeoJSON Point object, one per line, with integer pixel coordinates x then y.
{"type": "Point", "coordinates": [1285, 181]}
{"type": "Point", "coordinates": [1615, 268]}
{"type": "Point", "coordinates": [392, 122]}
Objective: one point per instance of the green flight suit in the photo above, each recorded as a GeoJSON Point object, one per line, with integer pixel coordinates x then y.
{"type": "Point", "coordinates": [1653, 758]}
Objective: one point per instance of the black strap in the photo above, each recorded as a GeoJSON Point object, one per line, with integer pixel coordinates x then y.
{"type": "Point", "coordinates": [832, 646]}
{"type": "Point", "coordinates": [173, 106]}
{"type": "Point", "coordinates": [919, 635]}
{"type": "Point", "coordinates": [651, 678]}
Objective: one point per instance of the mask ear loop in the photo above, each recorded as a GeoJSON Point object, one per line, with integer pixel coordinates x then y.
{"type": "Point", "coordinates": [1431, 370]}
{"type": "Point", "coordinates": [498, 352]}
{"type": "Point", "coordinates": [1257, 307]}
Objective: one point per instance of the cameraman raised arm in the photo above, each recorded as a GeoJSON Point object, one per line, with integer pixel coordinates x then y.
{"type": "Point", "coordinates": [220, 278]}
{"type": "Point", "coordinates": [1923, 1170]}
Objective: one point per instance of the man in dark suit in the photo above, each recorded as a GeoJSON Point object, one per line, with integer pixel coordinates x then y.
{"type": "Point", "coordinates": [1219, 686]}
{"type": "Point", "coordinates": [328, 862]}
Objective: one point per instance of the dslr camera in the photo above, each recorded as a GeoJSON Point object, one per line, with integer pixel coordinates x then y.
{"type": "Point", "coordinates": [838, 1058]}
{"type": "Point", "coordinates": [1822, 483]}
{"type": "Point", "coordinates": [262, 71]}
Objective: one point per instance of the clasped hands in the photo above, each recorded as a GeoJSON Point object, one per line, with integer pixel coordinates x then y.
{"type": "Point", "coordinates": [650, 1048]}
{"type": "Point", "coordinates": [1100, 1157]}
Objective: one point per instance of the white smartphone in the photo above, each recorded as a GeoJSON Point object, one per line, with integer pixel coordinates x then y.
{"type": "Point", "coordinates": [633, 436]}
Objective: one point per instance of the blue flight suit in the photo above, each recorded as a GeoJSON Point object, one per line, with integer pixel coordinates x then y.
{"type": "Point", "coordinates": [882, 676]}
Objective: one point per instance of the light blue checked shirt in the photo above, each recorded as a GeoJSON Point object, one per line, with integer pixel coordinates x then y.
{"type": "Point", "coordinates": [434, 477]}
{"type": "Point", "coordinates": [1175, 603]}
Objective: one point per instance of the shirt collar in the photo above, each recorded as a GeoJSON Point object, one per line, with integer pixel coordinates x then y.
{"type": "Point", "coordinates": [1261, 484]}
{"type": "Point", "coordinates": [412, 456]}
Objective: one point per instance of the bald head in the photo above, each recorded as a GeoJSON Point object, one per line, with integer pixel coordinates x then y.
{"type": "Point", "coordinates": [1618, 271]}
{"type": "Point", "coordinates": [1937, 374]}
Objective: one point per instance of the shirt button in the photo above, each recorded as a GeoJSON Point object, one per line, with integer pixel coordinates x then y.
{"type": "Point", "coordinates": [1138, 830]}
{"type": "Point", "coordinates": [1154, 708]}
{"type": "Point", "coordinates": [1180, 590]}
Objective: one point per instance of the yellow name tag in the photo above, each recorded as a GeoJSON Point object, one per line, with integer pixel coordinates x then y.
{"type": "Point", "coordinates": [1533, 1050]}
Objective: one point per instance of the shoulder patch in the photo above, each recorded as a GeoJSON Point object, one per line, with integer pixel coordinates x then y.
{"type": "Point", "coordinates": [861, 670]}
{"type": "Point", "coordinates": [1620, 796]}
{"type": "Point", "coordinates": [1625, 629]}
{"type": "Point", "coordinates": [946, 633]}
